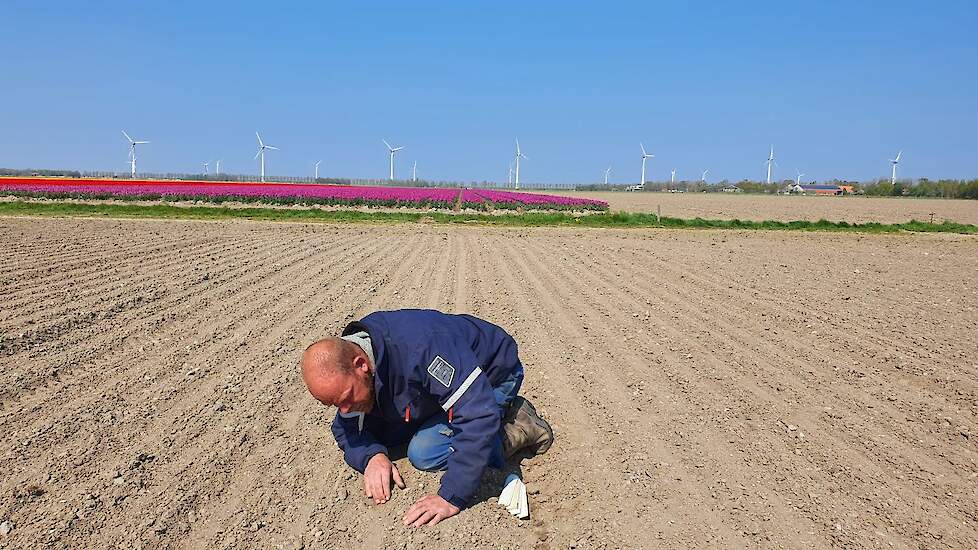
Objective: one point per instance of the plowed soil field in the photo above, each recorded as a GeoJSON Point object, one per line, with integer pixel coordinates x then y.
{"type": "Point", "coordinates": [708, 389]}
{"type": "Point", "coordinates": [727, 206]}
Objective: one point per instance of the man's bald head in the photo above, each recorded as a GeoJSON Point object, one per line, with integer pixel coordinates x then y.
{"type": "Point", "coordinates": [330, 355]}
{"type": "Point", "coordinates": [339, 373]}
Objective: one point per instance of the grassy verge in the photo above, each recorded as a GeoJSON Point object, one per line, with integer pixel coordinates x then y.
{"type": "Point", "coordinates": [532, 219]}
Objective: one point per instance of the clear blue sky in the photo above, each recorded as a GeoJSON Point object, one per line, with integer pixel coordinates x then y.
{"type": "Point", "coordinates": [837, 87]}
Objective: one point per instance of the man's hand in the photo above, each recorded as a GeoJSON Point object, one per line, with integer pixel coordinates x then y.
{"type": "Point", "coordinates": [377, 478]}
{"type": "Point", "coordinates": [429, 509]}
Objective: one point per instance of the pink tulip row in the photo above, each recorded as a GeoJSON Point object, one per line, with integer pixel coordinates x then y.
{"type": "Point", "coordinates": [515, 199]}
{"type": "Point", "coordinates": [425, 197]}
{"type": "Point", "coordinates": [265, 192]}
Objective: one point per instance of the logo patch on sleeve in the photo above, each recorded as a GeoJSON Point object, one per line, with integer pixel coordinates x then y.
{"type": "Point", "coordinates": [442, 371]}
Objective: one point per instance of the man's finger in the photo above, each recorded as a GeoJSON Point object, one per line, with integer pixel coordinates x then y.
{"type": "Point", "coordinates": [366, 487]}
{"type": "Point", "coordinates": [375, 491]}
{"type": "Point", "coordinates": [413, 513]}
{"type": "Point", "coordinates": [436, 519]}
{"type": "Point", "coordinates": [397, 478]}
{"type": "Point", "coordinates": [386, 485]}
{"type": "Point", "coordinates": [428, 514]}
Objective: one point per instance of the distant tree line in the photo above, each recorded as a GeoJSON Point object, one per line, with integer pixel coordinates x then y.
{"type": "Point", "coordinates": [40, 172]}
{"type": "Point", "coordinates": [923, 187]}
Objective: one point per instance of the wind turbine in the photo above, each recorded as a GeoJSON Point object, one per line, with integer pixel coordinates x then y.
{"type": "Point", "coordinates": [317, 168]}
{"type": "Point", "coordinates": [392, 151]}
{"type": "Point", "coordinates": [645, 156]}
{"type": "Point", "coordinates": [132, 153]}
{"type": "Point", "coordinates": [798, 180]}
{"type": "Point", "coordinates": [261, 153]}
{"type": "Point", "coordinates": [519, 155]}
{"type": "Point", "coordinates": [217, 167]}
{"type": "Point", "coordinates": [414, 172]}
{"type": "Point", "coordinates": [672, 177]}
{"type": "Point", "coordinates": [606, 173]}
{"type": "Point", "coordinates": [510, 180]}
{"type": "Point", "coordinates": [770, 162]}
{"type": "Point", "coordinates": [206, 164]}
{"type": "Point", "coordinates": [703, 177]}
{"type": "Point", "coordinates": [893, 161]}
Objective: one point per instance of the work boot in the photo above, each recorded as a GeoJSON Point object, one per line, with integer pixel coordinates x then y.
{"type": "Point", "coordinates": [524, 429]}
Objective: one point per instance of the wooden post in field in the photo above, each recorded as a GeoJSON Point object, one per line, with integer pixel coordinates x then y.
{"type": "Point", "coordinates": [658, 215]}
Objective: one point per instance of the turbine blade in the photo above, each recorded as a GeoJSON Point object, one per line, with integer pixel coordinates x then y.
{"type": "Point", "coordinates": [259, 139]}
{"type": "Point", "coordinates": [271, 147]}
{"type": "Point", "coordinates": [258, 154]}
{"type": "Point", "coordinates": [387, 144]}
{"type": "Point", "coordinates": [127, 136]}
{"type": "Point", "coordinates": [640, 144]}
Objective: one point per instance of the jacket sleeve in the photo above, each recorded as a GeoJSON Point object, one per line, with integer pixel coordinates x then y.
{"type": "Point", "coordinates": [358, 444]}
{"type": "Point", "coordinates": [455, 378]}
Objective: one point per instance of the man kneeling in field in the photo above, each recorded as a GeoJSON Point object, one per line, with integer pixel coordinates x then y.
{"type": "Point", "coordinates": [445, 384]}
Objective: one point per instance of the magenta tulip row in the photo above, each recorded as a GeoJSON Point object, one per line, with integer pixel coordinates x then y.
{"type": "Point", "coordinates": [294, 193]}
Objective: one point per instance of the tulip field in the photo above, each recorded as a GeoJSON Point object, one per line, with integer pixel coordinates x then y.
{"type": "Point", "coordinates": [281, 193]}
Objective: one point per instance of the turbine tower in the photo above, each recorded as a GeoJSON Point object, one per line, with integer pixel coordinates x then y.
{"type": "Point", "coordinates": [392, 151]}
{"type": "Point", "coordinates": [261, 153]}
{"type": "Point", "coordinates": [519, 155]}
{"type": "Point", "coordinates": [770, 162]}
{"type": "Point", "coordinates": [206, 164]}
{"type": "Point", "coordinates": [672, 177]}
{"type": "Point", "coordinates": [606, 173]}
{"type": "Point", "coordinates": [217, 167]}
{"type": "Point", "coordinates": [414, 172]}
{"type": "Point", "coordinates": [645, 156]}
{"type": "Point", "coordinates": [893, 161]}
{"type": "Point", "coordinates": [510, 180]}
{"type": "Point", "coordinates": [798, 179]}
{"type": "Point", "coordinates": [317, 168]}
{"type": "Point", "coordinates": [132, 153]}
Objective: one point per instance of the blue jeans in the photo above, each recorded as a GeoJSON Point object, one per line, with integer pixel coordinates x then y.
{"type": "Point", "coordinates": [431, 445]}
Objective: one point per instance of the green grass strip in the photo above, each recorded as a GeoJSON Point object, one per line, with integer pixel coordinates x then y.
{"type": "Point", "coordinates": [532, 219]}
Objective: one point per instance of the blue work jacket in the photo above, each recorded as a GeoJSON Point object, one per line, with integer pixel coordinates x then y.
{"type": "Point", "coordinates": [427, 362]}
